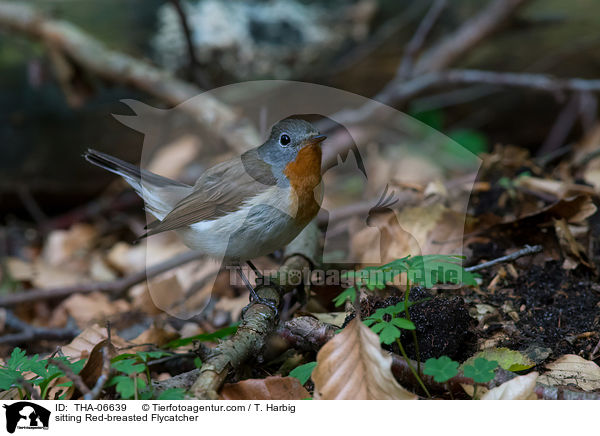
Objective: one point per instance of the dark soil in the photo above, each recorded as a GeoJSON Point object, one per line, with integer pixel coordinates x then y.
{"type": "Point", "coordinates": [443, 325]}
{"type": "Point", "coordinates": [556, 309]}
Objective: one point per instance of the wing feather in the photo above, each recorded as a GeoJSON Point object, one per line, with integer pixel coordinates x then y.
{"type": "Point", "coordinates": [222, 189]}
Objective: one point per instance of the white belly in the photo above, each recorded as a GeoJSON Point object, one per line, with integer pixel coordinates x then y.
{"type": "Point", "coordinates": [257, 229]}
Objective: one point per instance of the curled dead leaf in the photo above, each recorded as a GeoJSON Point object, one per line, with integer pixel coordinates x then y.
{"type": "Point", "coordinates": [352, 366]}
{"type": "Point", "coordinates": [270, 388]}
{"type": "Point", "coordinates": [572, 369]}
{"type": "Point", "coordinates": [519, 388]}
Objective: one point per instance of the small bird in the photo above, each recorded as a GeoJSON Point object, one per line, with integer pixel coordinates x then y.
{"type": "Point", "coordinates": [240, 209]}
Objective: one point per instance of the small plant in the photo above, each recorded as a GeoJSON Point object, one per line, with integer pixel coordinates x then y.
{"type": "Point", "coordinates": [426, 271]}
{"type": "Point", "coordinates": [303, 372]}
{"type": "Point", "coordinates": [12, 374]}
{"type": "Point", "coordinates": [442, 369]}
{"type": "Point", "coordinates": [134, 377]}
{"type": "Point", "coordinates": [482, 371]}
{"type": "Point", "coordinates": [387, 322]}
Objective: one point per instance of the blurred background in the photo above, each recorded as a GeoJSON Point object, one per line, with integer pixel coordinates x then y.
{"type": "Point", "coordinates": [49, 117]}
{"type": "Point", "coordinates": [515, 82]}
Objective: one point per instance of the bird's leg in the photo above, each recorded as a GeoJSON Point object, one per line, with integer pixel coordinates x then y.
{"type": "Point", "coordinates": [254, 298]}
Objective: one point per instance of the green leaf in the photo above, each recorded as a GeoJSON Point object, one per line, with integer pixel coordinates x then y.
{"type": "Point", "coordinates": [349, 293]}
{"type": "Point", "coordinates": [403, 323]}
{"type": "Point", "coordinates": [123, 385]}
{"type": "Point", "coordinates": [472, 140]}
{"type": "Point", "coordinates": [482, 370]}
{"type": "Point", "coordinates": [431, 269]}
{"type": "Point", "coordinates": [204, 337]}
{"type": "Point", "coordinates": [442, 369]}
{"type": "Point", "coordinates": [198, 362]}
{"type": "Point", "coordinates": [433, 118]}
{"type": "Point", "coordinates": [389, 334]}
{"type": "Point", "coordinates": [172, 394]}
{"type": "Point", "coordinates": [303, 372]}
{"type": "Point", "coordinates": [129, 366]}
{"type": "Point", "coordinates": [508, 359]}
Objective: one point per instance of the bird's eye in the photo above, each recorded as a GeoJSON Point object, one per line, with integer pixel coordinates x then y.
{"type": "Point", "coordinates": [284, 139]}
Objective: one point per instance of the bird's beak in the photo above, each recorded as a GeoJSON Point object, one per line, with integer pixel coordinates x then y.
{"type": "Point", "coordinates": [317, 139]}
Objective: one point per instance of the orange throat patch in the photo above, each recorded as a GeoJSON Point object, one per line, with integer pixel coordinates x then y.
{"type": "Point", "coordinates": [304, 175]}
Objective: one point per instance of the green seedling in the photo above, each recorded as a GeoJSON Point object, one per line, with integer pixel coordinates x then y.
{"type": "Point", "coordinates": [12, 373]}
{"type": "Point", "coordinates": [481, 371]}
{"type": "Point", "coordinates": [133, 370]}
{"type": "Point", "coordinates": [442, 369]}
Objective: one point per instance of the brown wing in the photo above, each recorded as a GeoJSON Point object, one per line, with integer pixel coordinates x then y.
{"type": "Point", "coordinates": [221, 189]}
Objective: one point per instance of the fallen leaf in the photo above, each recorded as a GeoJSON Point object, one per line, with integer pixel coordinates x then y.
{"type": "Point", "coordinates": [519, 388]}
{"type": "Point", "coordinates": [432, 229]}
{"type": "Point", "coordinates": [96, 306]}
{"type": "Point", "coordinates": [333, 318]}
{"type": "Point", "coordinates": [68, 246]}
{"type": "Point", "coordinates": [508, 359]}
{"type": "Point", "coordinates": [270, 388]}
{"type": "Point", "coordinates": [574, 370]}
{"type": "Point", "coordinates": [170, 160]}
{"type": "Point", "coordinates": [81, 346]}
{"type": "Point", "coordinates": [574, 253]}
{"type": "Point", "coordinates": [19, 269]}
{"type": "Point", "coordinates": [352, 366]}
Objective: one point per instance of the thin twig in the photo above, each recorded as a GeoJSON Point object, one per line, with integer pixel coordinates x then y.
{"type": "Point", "coordinates": [76, 378]}
{"type": "Point", "coordinates": [195, 73]}
{"type": "Point", "coordinates": [115, 287]}
{"type": "Point", "coordinates": [419, 38]}
{"type": "Point", "coordinates": [528, 250]}
{"type": "Point", "coordinates": [562, 126]}
{"type": "Point", "coordinates": [35, 395]}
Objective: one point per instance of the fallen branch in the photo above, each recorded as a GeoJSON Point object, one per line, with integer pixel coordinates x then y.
{"type": "Point", "coordinates": [29, 333]}
{"type": "Point", "coordinates": [92, 56]}
{"type": "Point", "coordinates": [528, 250]}
{"type": "Point", "coordinates": [115, 287]}
{"type": "Point", "coordinates": [403, 91]}
{"type": "Point", "coordinates": [258, 320]}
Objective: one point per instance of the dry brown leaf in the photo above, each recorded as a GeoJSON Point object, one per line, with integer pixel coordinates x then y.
{"type": "Point", "coordinates": [572, 369]}
{"type": "Point", "coordinates": [19, 269]}
{"type": "Point", "coordinates": [47, 276]}
{"type": "Point", "coordinates": [519, 388]}
{"type": "Point", "coordinates": [127, 258]}
{"type": "Point", "coordinates": [270, 388]}
{"type": "Point", "coordinates": [81, 346]}
{"type": "Point", "coordinates": [158, 335]}
{"type": "Point", "coordinates": [574, 253]}
{"type": "Point", "coordinates": [233, 306]}
{"type": "Point", "coordinates": [142, 300]}
{"type": "Point", "coordinates": [352, 366]}
{"type": "Point", "coordinates": [67, 246]}
{"type": "Point", "coordinates": [93, 307]}
{"type": "Point", "coordinates": [170, 160]}
{"type": "Point", "coordinates": [432, 229]}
